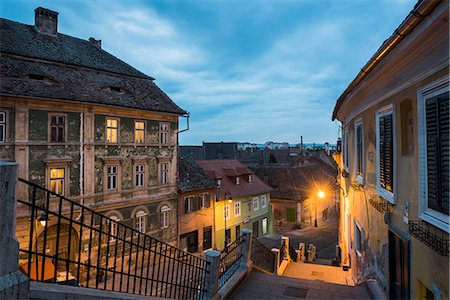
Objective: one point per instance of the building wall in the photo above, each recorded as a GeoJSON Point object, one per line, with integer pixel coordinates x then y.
{"type": "Point", "coordinates": [85, 157]}
{"type": "Point", "coordinates": [196, 220]}
{"type": "Point", "coordinates": [427, 268]}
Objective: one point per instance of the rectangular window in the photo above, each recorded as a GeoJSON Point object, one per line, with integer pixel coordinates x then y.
{"type": "Point", "coordinates": [345, 152]}
{"type": "Point", "coordinates": [165, 211]}
{"type": "Point", "coordinates": [255, 204]}
{"type": "Point", "coordinates": [219, 183]}
{"type": "Point", "coordinates": [140, 221]}
{"type": "Point", "coordinates": [226, 211]}
{"type": "Point", "coordinates": [238, 180]}
{"type": "Point", "coordinates": [358, 237]}
{"type": "Point", "coordinates": [359, 150]}
{"type": "Point", "coordinates": [57, 128]}
{"type": "Point", "coordinates": [111, 177]}
{"type": "Point", "coordinates": [163, 133]}
{"type": "Point", "coordinates": [140, 175]}
{"type": "Point", "coordinates": [433, 108]}
{"type": "Point", "coordinates": [57, 180]}
{"type": "Point", "coordinates": [264, 226]}
{"type": "Point", "coordinates": [2, 127]}
{"type": "Point", "coordinates": [164, 173]}
{"type": "Point", "coordinates": [227, 236]}
{"type": "Point", "coordinates": [207, 238]}
{"type": "Point", "coordinates": [238, 231]}
{"type": "Point", "coordinates": [139, 132]}
{"type": "Point", "coordinates": [114, 226]}
{"type": "Point", "coordinates": [237, 209]}
{"type": "Point", "coordinates": [263, 201]}
{"type": "Point", "coordinates": [250, 178]}
{"type": "Point", "coordinates": [111, 130]}
{"type": "Point", "coordinates": [385, 153]}
{"type": "Point", "coordinates": [204, 201]}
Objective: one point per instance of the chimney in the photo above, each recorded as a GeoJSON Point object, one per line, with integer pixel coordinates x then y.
{"type": "Point", "coordinates": [46, 21]}
{"type": "Point", "coordinates": [96, 43]}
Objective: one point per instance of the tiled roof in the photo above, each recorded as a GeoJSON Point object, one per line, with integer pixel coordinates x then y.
{"type": "Point", "coordinates": [72, 69]}
{"type": "Point", "coordinates": [192, 176]}
{"type": "Point", "coordinates": [245, 188]}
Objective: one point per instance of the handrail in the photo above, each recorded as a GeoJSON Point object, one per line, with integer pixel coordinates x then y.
{"type": "Point", "coordinates": [230, 260]}
{"type": "Point", "coordinates": [292, 253]}
{"type": "Point", "coordinates": [261, 256]}
{"type": "Point", "coordinates": [95, 251]}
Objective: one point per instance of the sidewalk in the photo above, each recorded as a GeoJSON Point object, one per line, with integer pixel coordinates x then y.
{"type": "Point", "coordinates": [265, 286]}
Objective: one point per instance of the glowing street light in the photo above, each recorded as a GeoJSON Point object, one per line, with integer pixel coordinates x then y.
{"type": "Point", "coordinates": [320, 195]}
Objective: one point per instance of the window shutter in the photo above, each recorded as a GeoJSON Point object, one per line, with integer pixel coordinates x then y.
{"type": "Point", "coordinates": [186, 205]}
{"type": "Point", "coordinates": [437, 123]}
{"type": "Point", "coordinates": [386, 153]}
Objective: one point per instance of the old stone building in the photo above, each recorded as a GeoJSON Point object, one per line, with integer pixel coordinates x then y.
{"type": "Point", "coordinates": [86, 125]}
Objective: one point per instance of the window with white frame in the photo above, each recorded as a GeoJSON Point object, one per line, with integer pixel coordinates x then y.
{"type": "Point", "coordinates": [57, 177]}
{"type": "Point", "coordinates": [114, 227]}
{"type": "Point", "coordinates": [164, 173]}
{"type": "Point", "coordinates": [226, 211]}
{"type": "Point", "coordinates": [205, 201]}
{"type": "Point", "coordinates": [250, 178]}
{"type": "Point", "coordinates": [112, 127]}
{"type": "Point", "coordinates": [357, 244]}
{"type": "Point", "coordinates": [237, 209]}
{"type": "Point", "coordinates": [164, 216]}
{"type": "Point", "coordinates": [57, 128]}
{"type": "Point", "coordinates": [164, 133]}
{"type": "Point", "coordinates": [264, 226]}
{"type": "Point", "coordinates": [359, 151]}
{"type": "Point", "coordinates": [263, 201]}
{"type": "Point", "coordinates": [434, 153]}
{"type": "Point", "coordinates": [139, 132]}
{"type": "Point", "coordinates": [2, 126]}
{"type": "Point", "coordinates": [346, 148]}
{"type": "Point", "coordinates": [111, 177]}
{"type": "Point", "coordinates": [140, 175]}
{"type": "Point", "coordinates": [385, 152]}
{"type": "Point", "coordinates": [140, 220]}
{"type": "Point", "coordinates": [255, 204]}
{"type": "Point", "coordinates": [238, 180]}
{"type": "Point", "coordinates": [190, 204]}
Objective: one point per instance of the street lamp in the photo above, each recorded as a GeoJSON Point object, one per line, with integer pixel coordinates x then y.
{"type": "Point", "coordinates": [320, 195]}
{"type": "Point", "coordinates": [230, 200]}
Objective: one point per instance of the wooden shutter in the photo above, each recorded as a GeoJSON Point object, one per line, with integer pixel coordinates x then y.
{"type": "Point", "coordinates": [207, 200]}
{"type": "Point", "coordinates": [437, 123]}
{"type": "Point", "coordinates": [386, 153]}
{"type": "Point", "coordinates": [186, 204]}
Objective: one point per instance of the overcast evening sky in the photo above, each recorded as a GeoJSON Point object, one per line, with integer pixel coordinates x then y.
{"type": "Point", "coordinates": [245, 70]}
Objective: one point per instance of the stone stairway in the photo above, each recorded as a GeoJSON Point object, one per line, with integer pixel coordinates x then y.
{"type": "Point", "coordinates": [317, 272]}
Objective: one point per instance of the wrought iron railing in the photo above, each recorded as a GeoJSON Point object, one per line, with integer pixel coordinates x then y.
{"type": "Point", "coordinates": [262, 256]}
{"type": "Point", "coordinates": [292, 253]}
{"type": "Point", "coordinates": [282, 252]}
{"type": "Point", "coordinates": [434, 238]}
{"type": "Point", "coordinates": [62, 241]}
{"type": "Point", "coordinates": [230, 260]}
{"type": "Point", "coordinates": [380, 204]}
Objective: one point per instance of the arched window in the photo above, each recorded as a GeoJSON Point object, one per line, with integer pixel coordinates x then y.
{"type": "Point", "coordinates": [140, 220]}
{"type": "Point", "coordinates": [164, 216]}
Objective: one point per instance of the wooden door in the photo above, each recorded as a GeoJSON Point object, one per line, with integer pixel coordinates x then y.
{"type": "Point", "coordinates": [398, 267]}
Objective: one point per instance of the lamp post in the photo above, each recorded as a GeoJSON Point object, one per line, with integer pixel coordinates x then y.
{"type": "Point", "coordinates": [320, 195]}
{"type": "Point", "coordinates": [228, 199]}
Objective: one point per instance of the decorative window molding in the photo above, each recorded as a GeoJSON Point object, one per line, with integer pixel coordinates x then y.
{"type": "Point", "coordinates": [432, 212]}
{"type": "Point", "coordinates": [139, 175]}
{"type": "Point", "coordinates": [164, 216]}
{"type": "Point", "coordinates": [164, 133]}
{"type": "Point", "coordinates": [386, 157]}
{"type": "Point", "coordinates": [255, 204]}
{"type": "Point", "coordinates": [112, 130]}
{"type": "Point", "coordinates": [237, 209]}
{"type": "Point", "coordinates": [141, 221]}
{"type": "Point", "coordinates": [139, 132]}
{"type": "Point", "coordinates": [54, 181]}
{"type": "Point", "coordinates": [359, 151]}
{"type": "Point", "coordinates": [263, 201]}
{"type": "Point", "coordinates": [164, 173]}
{"type": "Point", "coordinates": [57, 128]}
{"type": "Point", "coordinates": [112, 174]}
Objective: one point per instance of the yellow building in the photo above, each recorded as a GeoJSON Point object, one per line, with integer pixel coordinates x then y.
{"type": "Point", "coordinates": [394, 163]}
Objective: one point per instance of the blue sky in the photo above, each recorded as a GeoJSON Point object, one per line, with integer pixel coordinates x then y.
{"type": "Point", "coordinates": [245, 70]}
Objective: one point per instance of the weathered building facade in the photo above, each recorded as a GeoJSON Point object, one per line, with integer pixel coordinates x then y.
{"type": "Point", "coordinates": [196, 200]}
{"type": "Point", "coordinates": [88, 126]}
{"type": "Point", "coordinates": [394, 221]}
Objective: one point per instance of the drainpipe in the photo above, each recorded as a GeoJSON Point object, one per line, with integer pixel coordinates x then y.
{"type": "Point", "coordinates": [81, 162]}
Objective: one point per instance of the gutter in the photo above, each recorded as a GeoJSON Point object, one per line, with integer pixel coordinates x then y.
{"type": "Point", "coordinates": [420, 11]}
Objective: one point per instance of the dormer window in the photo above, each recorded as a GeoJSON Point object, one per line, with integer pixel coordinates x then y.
{"type": "Point", "coordinates": [219, 183]}
{"type": "Point", "coordinates": [238, 180]}
{"type": "Point", "coordinates": [250, 179]}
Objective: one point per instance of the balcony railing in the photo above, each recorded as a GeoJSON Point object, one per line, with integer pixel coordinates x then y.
{"type": "Point", "coordinates": [62, 241]}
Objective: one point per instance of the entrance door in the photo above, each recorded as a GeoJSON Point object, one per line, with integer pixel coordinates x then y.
{"type": "Point", "coordinates": [207, 238]}
{"type": "Point", "coordinates": [398, 267]}
{"type": "Point", "coordinates": [255, 229]}
{"type": "Point", "coordinates": [290, 214]}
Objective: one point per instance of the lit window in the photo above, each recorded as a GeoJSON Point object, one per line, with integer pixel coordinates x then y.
{"type": "Point", "coordinates": [140, 175]}
{"type": "Point", "coordinates": [385, 153]}
{"type": "Point", "coordinates": [264, 226]}
{"type": "Point", "coordinates": [359, 150]}
{"type": "Point", "coordinates": [255, 203]}
{"type": "Point", "coordinates": [237, 209]}
{"type": "Point", "coordinates": [111, 130]}
{"type": "Point", "coordinates": [164, 173]}
{"type": "Point", "coordinates": [263, 201]}
{"type": "Point", "coordinates": [164, 133]}
{"type": "Point", "coordinates": [238, 180]}
{"type": "Point", "coordinates": [57, 124]}
{"type": "Point", "coordinates": [2, 127]}
{"type": "Point", "coordinates": [57, 181]}
{"type": "Point", "coordinates": [139, 132]}
{"type": "Point", "coordinates": [226, 211]}
{"type": "Point", "coordinates": [165, 210]}
{"type": "Point", "coordinates": [111, 178]}
{"type": "Point", "coordinates": [114, 227]}
{"type": "Point", "coordinates": [140, 221]}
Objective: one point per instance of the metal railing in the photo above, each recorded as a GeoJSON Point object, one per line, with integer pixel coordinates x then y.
{"type": "Point", "coordinates": [282, 252]}
{"type": "Point", "coordinates": [262, 256]}
{"type": "Point", "coordinates": [230, 260]}
{"type": "Point", "coordinates": [434, 238]}
{"type": "Point", "coordinates": [64, 242]}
